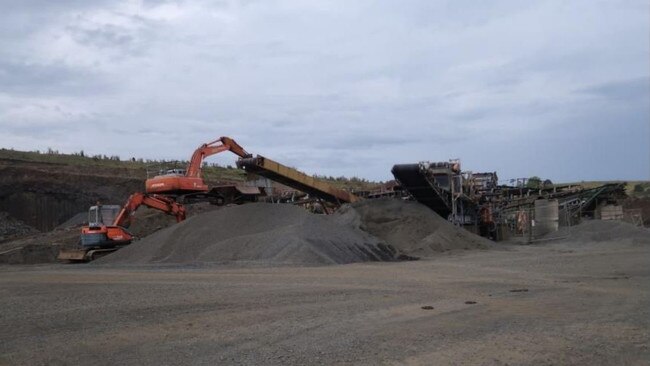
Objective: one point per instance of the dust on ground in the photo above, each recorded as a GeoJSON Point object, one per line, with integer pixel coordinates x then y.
{"type": "Point", "coordinates": [559, 302]}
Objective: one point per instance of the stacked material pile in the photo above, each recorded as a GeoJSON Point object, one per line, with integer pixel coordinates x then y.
{"type": "Point", "coordinates": [262, 234]}
{"type": "Point", "coordinates": [411, 228]}
{"type": "Point", "coordinates": [256, 234]}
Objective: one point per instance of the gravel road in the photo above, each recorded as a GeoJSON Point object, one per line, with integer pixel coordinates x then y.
{"type": "Point", "coordinates": [554, 303]}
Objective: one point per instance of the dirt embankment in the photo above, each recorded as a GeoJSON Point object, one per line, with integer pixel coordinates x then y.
{"type": "Point", "coordinates": [44, 195]}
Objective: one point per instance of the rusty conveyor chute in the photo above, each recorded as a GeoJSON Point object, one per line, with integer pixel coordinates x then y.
{"type": "Point", "coordinates": [295, 179]}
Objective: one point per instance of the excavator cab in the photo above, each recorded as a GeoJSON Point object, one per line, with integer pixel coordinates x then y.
{"type": "Point", "coordinates": [102, 215]}
{"type": "Point", "coordinates": [172, 172]}
{"type": "Point", "coordinates": [101, 230]}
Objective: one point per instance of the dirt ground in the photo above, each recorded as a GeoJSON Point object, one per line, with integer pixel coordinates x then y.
{"type": "Point", "coordinates": [548, 304]}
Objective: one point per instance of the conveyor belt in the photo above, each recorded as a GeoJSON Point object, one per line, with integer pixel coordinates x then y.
{"type": "Point", "coordinates": [423, 189]}
{"type": "Point", "coordinates": [295, 179]}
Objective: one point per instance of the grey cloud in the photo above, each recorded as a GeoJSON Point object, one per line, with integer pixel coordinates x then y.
{"type": "Point", "coordinates": [360, 140]}
{"type": "Point", "coordinates": [40, 130]}
{"type": "Point", "coordinates": [472, 114]}
{"type": "Point", "coordinates": [102, 36]}
{"type": "Point", "coordinates": [22, 78]}
{"type": "Point", "coordinates": [24, 17]}
{"type": "Point", "coordinates": [620, 89]}
{"type": "Point", "coordinates": [336, 88]}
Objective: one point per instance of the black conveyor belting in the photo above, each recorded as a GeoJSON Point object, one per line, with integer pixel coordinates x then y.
{"type": "Point", "coordinates": [422, 188]}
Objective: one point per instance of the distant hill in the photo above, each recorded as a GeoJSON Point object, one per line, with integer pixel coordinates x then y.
{"type": "Point", "coordinates": [637, 189]}
{"type": "Point", "coordinates": [45, 189]}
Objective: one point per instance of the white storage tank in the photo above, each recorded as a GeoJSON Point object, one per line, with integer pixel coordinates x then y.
{"type": "Point", "coordinates": [546, 217]}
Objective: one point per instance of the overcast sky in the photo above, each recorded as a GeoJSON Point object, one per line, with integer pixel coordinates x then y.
{"type": "Point", "coordinates": [559, 89]}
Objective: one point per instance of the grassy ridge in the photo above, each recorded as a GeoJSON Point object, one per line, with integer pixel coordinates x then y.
{"type": "Point", "coordinates": [140, 167]}
{"type": "Point", "coordinates": [636, 188]}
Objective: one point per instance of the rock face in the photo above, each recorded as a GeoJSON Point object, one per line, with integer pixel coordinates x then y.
{"type": "Point", "coordinates": [45, 195]}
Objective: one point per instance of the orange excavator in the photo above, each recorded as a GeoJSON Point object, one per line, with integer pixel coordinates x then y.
{"type": "Point", "coordinates": [107, 226]}
{"type": "Point", "coordinates": [187, 185]}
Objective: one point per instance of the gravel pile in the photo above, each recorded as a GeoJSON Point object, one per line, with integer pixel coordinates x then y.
{"type": "Point", "coordinates": [597, 231]}
{"type": "Point", "coordinates": [261, 233]}
{"type": "Point", "coordinates": [257, 233]}
{"type": "Point", "coordinates": [77, 220]}
{"type": "Point", "coordinates": [410, 227]}
{"type": "Point", "coordinates": [12, 227]}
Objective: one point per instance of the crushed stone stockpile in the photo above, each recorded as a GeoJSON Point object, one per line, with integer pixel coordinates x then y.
{"type": "Point", "coordinates": [256, 233]}
{"type": "Point", "coordinates": [410, 227]}
{"type": "Point", "coordinates": [147, 221]}
{"type": "Point", "coordinates": [75, 221]}
{"type": "Point", "coordinates": [597, 231]}
{"type": "Point", "coordinates": [262, 233]}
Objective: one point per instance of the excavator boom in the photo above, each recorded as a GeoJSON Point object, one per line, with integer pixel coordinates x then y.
{"type": "Point", "coordinates": [158, 202]}
{"type": "Point", "coordinates": [191, 183]}
{"type": "Point", "coordinates": [219, 145]}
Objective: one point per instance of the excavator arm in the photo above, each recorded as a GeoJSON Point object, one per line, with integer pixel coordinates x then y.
{"type": "Point", "coordinates": [211, 148]}
{"type": "Point", "coordinates": [104, 239]}
{"type": "Point", "coordinates": [158, 202]}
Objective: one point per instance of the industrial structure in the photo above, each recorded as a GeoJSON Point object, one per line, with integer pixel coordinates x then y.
{"type": "Point", "coordinates": [474, 201]}
{"type": "Point", "coordinates": [477, 202]}
{"type": "Point", "coordinates": [295, 179]}
{"type": "Point", "coordinates": [107, 228]}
